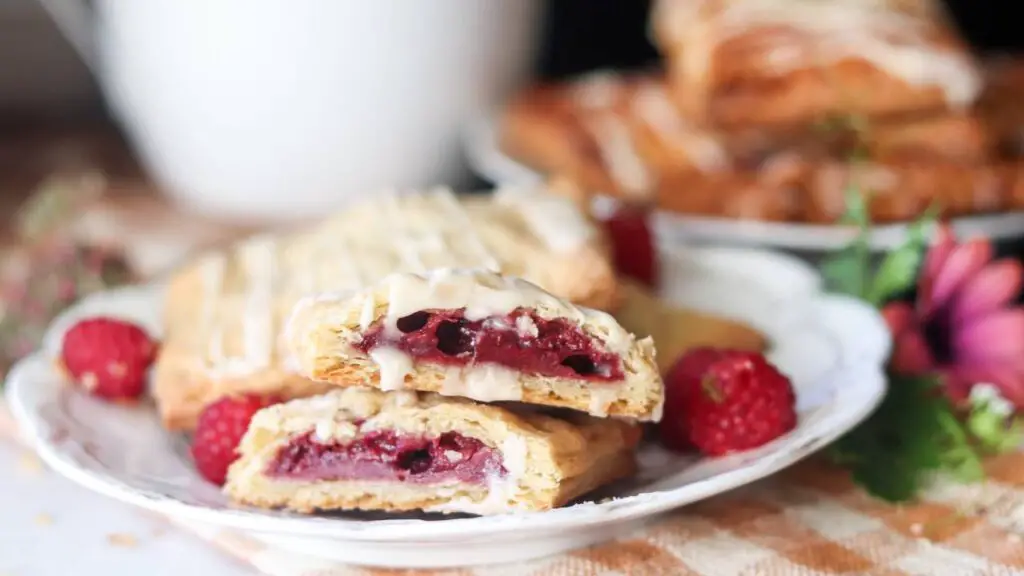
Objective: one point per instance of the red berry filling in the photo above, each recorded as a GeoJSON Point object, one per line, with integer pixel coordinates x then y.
{"type": "Point", "coordinates": [388, 455]}
{"type": "Point", "coordinates": [521, 341]}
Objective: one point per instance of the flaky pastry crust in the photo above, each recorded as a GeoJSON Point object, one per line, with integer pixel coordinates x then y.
{"type": "Point", "coordinates": [550, 461]}
{"type": "Point", "coordinates": [224, 312]}
{"type": "Point", "coordinates": [324, 332]}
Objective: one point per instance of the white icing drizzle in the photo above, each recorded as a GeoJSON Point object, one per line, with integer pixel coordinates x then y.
{"type": "Point", "coordinates": [893, 40]}
{"type": "Point", "coordinates": [598, 93]}
{"type": "Point", "coordinates": [597, 90]}
{"type": "Point", "coordinates": [483, 382]}
{"type": "Point", "coordinates": [619, 153]}
{"type": "Point", "coordinates": [653, 105]}
{"type": "Point", "coordinates": [455, 213]}
{"type": "Point", "coordinates": [259, 257]}
{"type": "Point", "coordinates": [553, 219]}
{"type": "Point", "coordinates": [481, 293]}
{"type": "Point", "coordinates": [211, 274]}
{"type": "Point", "coordinates": [408, 244]}
{"type": "Point", "coordinates": [397, 233]}
{"type": "Point", "coordinates": [259, 260]}
{"type": "Point", "coordinates": [367, 314]}
{"type": "Point", "coordinates": [394, 366]}
{"type": "Point", "coordinates": [353, 277]}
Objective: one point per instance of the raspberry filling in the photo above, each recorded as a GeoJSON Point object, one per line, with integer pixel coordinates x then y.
{"type": "Point", "coordinates": [388, 455]}
{"type": "Point", "coordinates": [520, 340]}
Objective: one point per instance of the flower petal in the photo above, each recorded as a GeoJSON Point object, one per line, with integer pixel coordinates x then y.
{"type": "Point", "coordinates": [962, 264]}
{"type": "Point", "coordinates": [899, 316]}
{"type": "Point", "coordinates": [996, 336]}
{"type": "Point", "coordinates": [958, 382]}
{"type": "Point", "coordinates": [942, 246]}
{"type": "Point", "coordinates": [910, 354]}
{"type": "Point", "coordinates": [992, 288]}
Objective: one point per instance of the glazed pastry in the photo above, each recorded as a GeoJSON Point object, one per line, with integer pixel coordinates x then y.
{"type": "Point", "coordinates": [785, 173]}
{"type": "Point", "coordinates": [617, 134]}
{"type": "Point", "coordinates": [224, 312]}
{"type": "Point", "coordinates": [362, 449]}
{"type": "Point", "coordinates": [478, 335]}
{"type": "Point", "coordinates": [1000, 104]}
{"type": "Point", "coordinates": [755, 62]}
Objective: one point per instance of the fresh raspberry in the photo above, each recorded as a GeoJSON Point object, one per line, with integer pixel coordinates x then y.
{"type": "Point", "coordinates": [685, 375]}
{"type": "Point", "coordinates": [723, 401]}
{"type": "Point", "coordinates": [633, 245]}
{"type": "Point", "coordinates": [108, 357]}
{"type": "Point", "coordinates": [219, 430]}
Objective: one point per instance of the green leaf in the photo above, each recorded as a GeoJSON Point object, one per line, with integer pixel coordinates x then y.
{"type": "Point", "coordinates": [959, 458]}
{"type": "Point", "coordinates": [898, 271]}
{"type": "Point", "coordinates": [992, 422]}
{"type": "Point", "coordinates": [856, 210]}
{"type": "Point", "coordinates": [849, 270]}
{"type": "Point", "coordinates": [845, 273]}
{"type": "Point", "coordinates": [913, 434]}
{"type": "Point", "coordinates": [896, 274]}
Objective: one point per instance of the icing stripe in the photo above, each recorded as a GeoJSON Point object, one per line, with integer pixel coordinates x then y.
{"type": "Point", "coordinates": [457, 217]}
{"type": "Point", "coordinates": [211, 273]}
{"type": "Point", "coordinates": [407, 242]}
{"type": "Point", "coordinates": [653, 106]}
{"type": "Point", "coordinates": [259, 257]}
{"type": "Point", "coordinates": [619, 153]}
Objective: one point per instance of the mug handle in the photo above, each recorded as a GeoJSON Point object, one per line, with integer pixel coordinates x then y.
{"type": "Point", "coordinates": [75, 19]}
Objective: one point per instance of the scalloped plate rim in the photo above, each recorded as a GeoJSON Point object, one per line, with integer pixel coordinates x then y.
{"type": "Point", "coordinates": [869, 377]}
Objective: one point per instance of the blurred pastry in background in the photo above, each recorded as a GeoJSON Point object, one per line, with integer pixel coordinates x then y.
{"type": "Point", "coordinates": [770, 110]}
{"type": "Point", "coordinates": [622, 135]}
{"type": "Point", "coordinates": [744, 62]}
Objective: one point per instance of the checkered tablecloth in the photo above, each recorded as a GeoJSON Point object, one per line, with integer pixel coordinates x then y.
{"type": "Point", "coordinates": [809, 520]}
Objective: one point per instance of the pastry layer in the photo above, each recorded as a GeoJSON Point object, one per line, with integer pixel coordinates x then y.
{"type": "Point", "coordinates": [225, 311]}
{"type": "Point", "coordinates": [755, 62]}
{"type": "Point", "coordinates": [530, 461]}
{"type": "Point", "coordinates": [478, 335]}
{"type": "Point", "coordinates": [792, 173]}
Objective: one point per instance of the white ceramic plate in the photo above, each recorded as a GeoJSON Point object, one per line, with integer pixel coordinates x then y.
{"type": "Point", "coordinates": [487, 159]}
{"type": "Point", "coordinates": [832, 347]}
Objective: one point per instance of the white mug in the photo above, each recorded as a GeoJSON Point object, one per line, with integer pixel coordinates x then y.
{"type": "Point", "coordinates": [260, 109]}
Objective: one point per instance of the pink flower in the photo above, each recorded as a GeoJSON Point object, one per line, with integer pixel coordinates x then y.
{"type": "Point", "coordinates": [964, 324]}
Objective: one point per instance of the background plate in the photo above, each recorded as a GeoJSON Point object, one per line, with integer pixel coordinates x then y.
{"type": "Point", "coordinates": [487, 159]}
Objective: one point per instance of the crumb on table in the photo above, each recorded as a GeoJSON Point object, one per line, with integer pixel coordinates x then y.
{"type": "Point", "coordinates": [122, 540]}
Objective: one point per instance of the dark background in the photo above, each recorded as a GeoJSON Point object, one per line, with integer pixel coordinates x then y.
{"type": "Point", "coordinates": [588, 34]}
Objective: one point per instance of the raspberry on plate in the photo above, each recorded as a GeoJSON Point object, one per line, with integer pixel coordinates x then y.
{"type": "Point", "coordinates": [723, 401]}
{"type": "Point", "coordinates": [633, 245]}
{"type": "Point", "coordinates": [220, 428]}
{"type": "Point", "coordinates": [108, 357]}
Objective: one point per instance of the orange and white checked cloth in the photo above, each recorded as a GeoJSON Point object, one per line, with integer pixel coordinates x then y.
{"type": "Point", "coordinates": [807, 521]}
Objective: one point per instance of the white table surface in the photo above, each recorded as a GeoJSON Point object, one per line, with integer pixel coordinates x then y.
{"type": "Point", "coordinates": [51, 527]}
